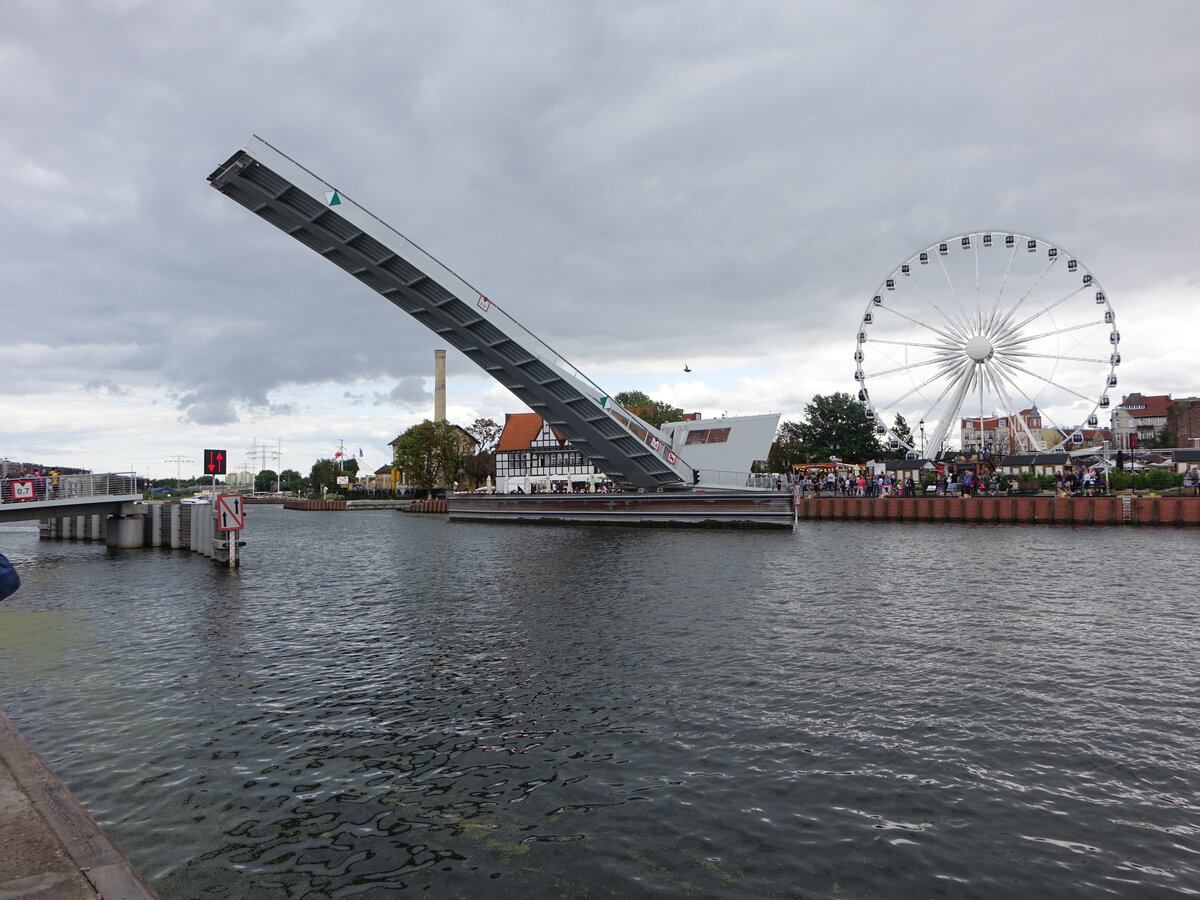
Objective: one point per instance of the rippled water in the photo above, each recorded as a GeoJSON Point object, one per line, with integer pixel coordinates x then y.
{"type": "Point", "coordinates": [378, 702]}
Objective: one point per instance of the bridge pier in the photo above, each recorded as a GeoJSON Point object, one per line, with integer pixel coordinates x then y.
{"type": "Point", "coordinates": [125, 532]}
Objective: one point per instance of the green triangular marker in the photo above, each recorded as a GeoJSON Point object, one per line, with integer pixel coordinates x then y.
{"type": "Point", "coordinates": [332, 198]}
{"type": "Point", "coordinates": [603, 401]}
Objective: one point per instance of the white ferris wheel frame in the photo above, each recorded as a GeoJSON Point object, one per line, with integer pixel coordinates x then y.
{"type": "Point", "coordinates": [985, 348]}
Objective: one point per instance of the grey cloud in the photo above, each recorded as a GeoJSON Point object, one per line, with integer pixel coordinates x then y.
{"type": "Point", "coordinates": [628, 180]}
{"type": "Point", "coordinates": [408, 394]}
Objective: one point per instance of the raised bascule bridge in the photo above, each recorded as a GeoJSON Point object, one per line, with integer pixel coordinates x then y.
{"type": "Point", "coordinates": [637, 456]}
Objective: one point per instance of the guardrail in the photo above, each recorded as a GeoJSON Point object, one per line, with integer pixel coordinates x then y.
{"type": "Point", "coordinates": [33, 488]}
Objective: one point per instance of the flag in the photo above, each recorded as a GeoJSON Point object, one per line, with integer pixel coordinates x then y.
{"type": "Point", "coordinates": [360, 452]}
{"type": "Point", "coordinates": [337, 455]}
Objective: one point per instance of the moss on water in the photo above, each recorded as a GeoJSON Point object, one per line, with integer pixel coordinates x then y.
{"type": "Point", "coordinates": [33, 644]}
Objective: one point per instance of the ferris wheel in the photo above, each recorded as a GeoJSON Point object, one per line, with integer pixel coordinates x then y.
{"type": "Point", "coordinates": [1002, 335]}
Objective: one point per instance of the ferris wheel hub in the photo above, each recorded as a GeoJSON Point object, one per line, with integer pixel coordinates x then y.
{"type": "Point", "coordinates": [979, 348]}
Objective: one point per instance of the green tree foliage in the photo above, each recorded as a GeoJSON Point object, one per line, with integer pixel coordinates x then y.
{"type": "Point", "coordinates": [265, 480]}
{"type": "Point", "coordinates": [1163, 439]}
{"type": "Point", "coordinates": [787, 449]}
{"type": "Point", "coordinates": [323, 475]}
{"type": "Point", "coordinates": [834, 425]}
{"type": "Point", "coordinates": [901, 430]}
{"type": "Point", "coordinates": [430, 454]}
{"type": "Point", "coordinates": [656, 412]}
{"type": "Point", "coordinates": [291, 480]}
{"type": "Point", "coordinates": [487, 432]}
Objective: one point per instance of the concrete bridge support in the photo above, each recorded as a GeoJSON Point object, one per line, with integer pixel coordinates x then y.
{"type": "Point", "coordinates": [125, 532]}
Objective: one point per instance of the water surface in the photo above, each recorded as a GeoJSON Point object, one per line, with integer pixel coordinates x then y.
{"type": "Point", "coordinates": [379, 703]}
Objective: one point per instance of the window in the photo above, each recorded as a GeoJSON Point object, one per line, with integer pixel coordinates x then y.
{"type": "Point", "coordinates": [708, 436]}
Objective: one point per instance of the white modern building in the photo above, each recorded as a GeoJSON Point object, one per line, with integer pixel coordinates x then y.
{"type": "Point", "coordinates": [723, 450]}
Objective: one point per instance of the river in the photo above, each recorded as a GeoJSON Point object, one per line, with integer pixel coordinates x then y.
{"type": "Point", "coordinates": [379, 703]}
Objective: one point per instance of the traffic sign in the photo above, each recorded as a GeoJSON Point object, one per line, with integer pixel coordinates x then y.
{"type": "Point", "coordinates": [214, 462]}
{"type": "Point", "coordinates": [231, 514]}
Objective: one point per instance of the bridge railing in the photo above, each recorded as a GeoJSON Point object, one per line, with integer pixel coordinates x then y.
{"type": "Point", "coordinates": [32, 488]}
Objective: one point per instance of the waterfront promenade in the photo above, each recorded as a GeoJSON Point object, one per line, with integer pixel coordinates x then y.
{"type": "Point", "coordinates": [50, 847]}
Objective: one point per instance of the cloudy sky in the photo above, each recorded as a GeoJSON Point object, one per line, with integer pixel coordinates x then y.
{"type": "Point", "coordinates": [642, 184]}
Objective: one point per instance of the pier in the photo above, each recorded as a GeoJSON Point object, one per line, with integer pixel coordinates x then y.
{"type": "Point", "coordinates": [109, 508]}
{"type": "Point", "coordinates": [36, 497]}
{"type": "Point", "coordinates": [50, 846]}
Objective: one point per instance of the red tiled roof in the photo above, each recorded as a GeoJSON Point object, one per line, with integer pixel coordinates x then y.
{"type": "Point", "coordinates": [1157, 405]}
{"type": "Point", "coordinates": [520, 430]}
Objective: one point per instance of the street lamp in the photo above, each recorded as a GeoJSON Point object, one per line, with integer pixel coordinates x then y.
{"type": "Point", "coordinates": [921, 425]}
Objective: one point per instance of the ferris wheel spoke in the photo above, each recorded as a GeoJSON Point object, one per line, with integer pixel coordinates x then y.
{"type": "Point", "coordinates": [942, 347]}
{"type": "Point", "coordinates": [1024, 339]}
{"type": "Point", "coordinates": [1009, 365]}
{"type": "Point", "coordinates": [953, 339]}
{"type": "Point", "coordinates": [954, 323]}
{"type": "Point", "coordinates": [949, 280]}
{"type": "Point", "coordinates": [1010, 329]}
{"type": "Point", "coordinates": [904, 368]}
{"type": "Point", "coordinates": [997, 378]}
{"type": "Point", "coordinates": [928, 381]}
{"type": "Point", "coordinates": [978, 294]}
{"type": "Point", "coordinates": [1025, 354]}
{"type": "Point", "coordinates": [1046, 416]}
{"type": "Point", "coordinates": [961, 386]}
{"type": "Point", "coordinates": [1007, 317]}
{"type": "Point", "coordinates": [1003, 284]}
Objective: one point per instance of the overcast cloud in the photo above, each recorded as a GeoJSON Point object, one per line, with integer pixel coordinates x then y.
{"type": "Point", "coordinates": [641, 184]}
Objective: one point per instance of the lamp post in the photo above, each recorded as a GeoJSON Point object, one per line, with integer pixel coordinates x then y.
{"type": "Point", "coordinates": [921, 425]}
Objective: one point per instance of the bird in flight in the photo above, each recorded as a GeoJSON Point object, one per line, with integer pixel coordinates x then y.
{"type": "Point", "coordinates": [685, 368]}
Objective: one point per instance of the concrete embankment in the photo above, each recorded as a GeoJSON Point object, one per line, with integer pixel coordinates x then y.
{"type": "Point", "coordinates": [318, 505]}
{"type": "Point", "coordinates": [50, 847]}
{"type": "Point", "coordinates": [1123, 510]}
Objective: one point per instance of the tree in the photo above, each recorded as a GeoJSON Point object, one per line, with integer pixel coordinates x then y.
{"type": "Point", "coordinates": [655, 412]}
{"type": "Point", "coordinates": [786, 450]}
{"type": "Point", "coordinates": [265, 480]}
{"type": "Point", "coordinates": [487, 432]}
{"type": "Point", "coordinates": [901, 430]}
{"type": "Point", "coordinates": [291, 480]}
{"type": "Point", "coordinates": [1163, 440]}
{"type": "Point", "coordinates": [835, 425]}
{"type": "Point", "coordinates": [477, 467]}
{"type": "Point", "coordinates": [323, 475]}
{"type": "Point", "coordinates": [430, 454]}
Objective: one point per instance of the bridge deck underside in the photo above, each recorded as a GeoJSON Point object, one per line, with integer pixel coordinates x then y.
{"type": "Point", "coordinates": [111, 505]}
{"type": "Point", "coordinates": [556, 397]}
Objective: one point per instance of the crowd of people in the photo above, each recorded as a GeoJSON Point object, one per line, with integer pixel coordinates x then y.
{"type": "Point", "coordinates": [19, 485]}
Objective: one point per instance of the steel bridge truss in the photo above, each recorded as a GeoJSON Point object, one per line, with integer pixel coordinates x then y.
{"type": "Point", "coordinates": [627, 449]}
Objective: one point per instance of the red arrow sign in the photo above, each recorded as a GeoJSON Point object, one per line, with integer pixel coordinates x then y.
{"type": "Point", "coordinates": [214, 462]}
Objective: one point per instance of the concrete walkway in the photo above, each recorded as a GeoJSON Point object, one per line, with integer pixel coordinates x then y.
{"type": "Point", "coordinates": [50, 847]}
